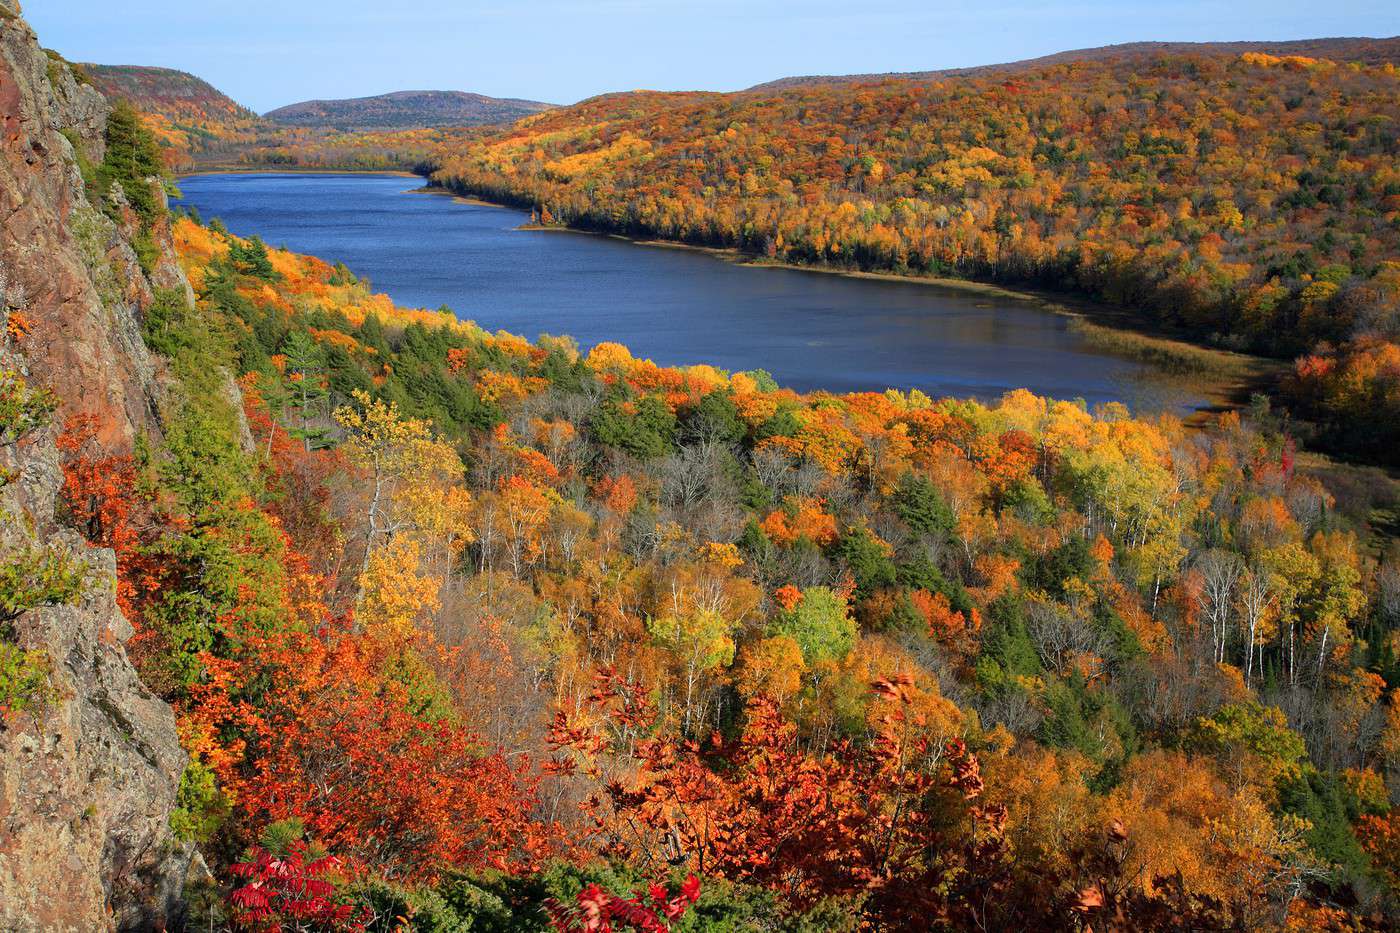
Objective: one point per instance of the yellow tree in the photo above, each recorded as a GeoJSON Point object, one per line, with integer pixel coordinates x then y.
{"type": "Point", "coordinates": [698, 643]}
{"type": "Point", "coordinates": [414, 480]}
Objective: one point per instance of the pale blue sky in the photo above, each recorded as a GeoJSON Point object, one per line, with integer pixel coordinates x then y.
{"type": "Point", "coordinates": [266, 53]}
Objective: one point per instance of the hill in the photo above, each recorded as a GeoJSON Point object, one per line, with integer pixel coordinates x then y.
{"type": "Point", "coordinates": [403, 110]}
{"type": "Point", "coordinates": [190, 118]}
{"type": "Point", "coordinates": [1250, 201]}
{"type": "Point", "coordinates": [176, 95]}
{"type": "Point", "coordinates": [197, 125]}
{"type": "Point", "coordinates": [1365, 50]}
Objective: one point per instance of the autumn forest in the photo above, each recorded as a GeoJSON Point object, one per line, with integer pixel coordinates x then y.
{"type": "Point", "coordinates": [462, 630]}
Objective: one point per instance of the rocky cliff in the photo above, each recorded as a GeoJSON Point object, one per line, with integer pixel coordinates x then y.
{"type": "Point", "coordinates": [90, 764]}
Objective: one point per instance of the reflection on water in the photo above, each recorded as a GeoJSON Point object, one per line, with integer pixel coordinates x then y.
{"type": "Point", "coordinates": [810, 330]}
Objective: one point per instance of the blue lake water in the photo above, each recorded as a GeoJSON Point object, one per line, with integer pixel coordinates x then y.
{"type": "Point", "coordinates": [810, 330]}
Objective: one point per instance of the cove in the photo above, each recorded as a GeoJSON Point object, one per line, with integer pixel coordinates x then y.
{"type": "Point", "coordinates": [678, 307]}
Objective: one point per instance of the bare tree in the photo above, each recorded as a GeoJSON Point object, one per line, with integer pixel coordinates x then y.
{"type": "Point", "coordinates": [1388, 594]}
{"type": "Point", "coordinates": [1059, 635]}
{"type": "Point", "coordinates": [1255, 599]}
{"type": "Point", "coordinates": [1220, 574]}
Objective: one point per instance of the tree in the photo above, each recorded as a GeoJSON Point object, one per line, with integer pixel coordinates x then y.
{"type": "Point", "coordinates": [132, 160]}
{"type": "Point", "coordinates": [645, 428]}
{"type": "Point", "coordinates": [820, 623]}
{"type": "Point", "coordinates": [250, 258]}
{"type": "Point", "coordinates": [1220, 572]}
{"type": "Point", "coordinates": [412, 477]}
{"type": "Point", "coordinates": [700, 641]}
{"type": "Point", "coordinates": [305, 368]}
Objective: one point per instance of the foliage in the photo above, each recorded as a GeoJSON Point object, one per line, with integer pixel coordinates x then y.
{"type": "Point", "coordinates": [289, 887]}
{"type": "Point", "coordinates": [820, 623]}
{"type": "Point", "coordinates": [500, 620]}
{"type": "Point", "coordinates": [23, 408]}
{"type": "Point", "coordinates": [31, 577]}
{"type": "Point", "coordinates": [132, 161]}
{"type": "Point", "coordinates": [596, 909]}
{"type": "Point", "coordinates": [199, 804]}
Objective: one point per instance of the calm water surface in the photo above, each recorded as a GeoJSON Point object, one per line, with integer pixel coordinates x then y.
{"type": "Point", "coordinates": [810, 330]}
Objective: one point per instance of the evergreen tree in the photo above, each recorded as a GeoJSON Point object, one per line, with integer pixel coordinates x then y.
{"type": "Point", "coordinates": [132, 158]}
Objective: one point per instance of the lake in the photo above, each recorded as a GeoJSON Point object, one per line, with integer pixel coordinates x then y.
{"type": "Point", "coordinates": [809, 329]}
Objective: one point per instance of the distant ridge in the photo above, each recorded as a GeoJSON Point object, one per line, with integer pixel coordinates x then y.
{"type": "Point", "coordinates": [1370, 51]}
{"type": "Point", "coordinates": [402, 110]}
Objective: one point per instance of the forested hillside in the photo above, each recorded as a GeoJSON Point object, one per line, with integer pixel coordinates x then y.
{"type": "Point", "coordinates": [508, 630]}
{"type": "Point", "coordinates": [199, 127]}
{"type": "Point", "coordinates": [189, 117]}
{"type": "Point", "coordinates": [1249, 201]}
{"type": "Point", "coordinates": [1364, 50]}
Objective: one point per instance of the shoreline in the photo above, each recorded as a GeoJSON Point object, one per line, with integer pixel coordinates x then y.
{"type": "Point", "coordinates": [441, 192]}
{"type": "Point", "coordinates": [1224, 378]}
{"type": "Point", "coordinates": [255, 170]}
{"type": "Point", "coordinates": [1227, 378]}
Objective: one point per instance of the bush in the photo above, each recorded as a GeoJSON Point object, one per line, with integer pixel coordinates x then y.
{"type": "Point", "coordinates": [38, 577]}
{"type": "Point", "coordinates": [494, 902]}
{"type": "Point", "coordinates": [24, 678]}
{"type": "Point", "coordinates": [22, 408]}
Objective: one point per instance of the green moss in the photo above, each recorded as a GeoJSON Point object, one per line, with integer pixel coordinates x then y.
{"type": "Point", "coordinates": [85, 166]}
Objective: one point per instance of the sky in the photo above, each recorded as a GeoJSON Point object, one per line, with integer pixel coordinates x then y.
{"type": "Point", "coordinates": [267, 53]}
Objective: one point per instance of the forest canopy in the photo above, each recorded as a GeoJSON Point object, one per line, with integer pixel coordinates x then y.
{"type": "Point", "coordinates": [477, 629]}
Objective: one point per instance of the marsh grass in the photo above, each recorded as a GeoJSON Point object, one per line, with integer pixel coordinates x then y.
{"type": "Point", "coordinates": [1172, 356]}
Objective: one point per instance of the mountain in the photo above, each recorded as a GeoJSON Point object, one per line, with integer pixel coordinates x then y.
{"type": "Point", "coordinates": [1365, 50]}
{"type": "Point", "coordinates": [403, 110]}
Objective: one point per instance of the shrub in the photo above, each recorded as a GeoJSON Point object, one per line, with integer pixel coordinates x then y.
{"type": "Point", "coordinates": [22, 408]}
{"type": "Point", "coordinates": [38, 577]}
{"type": "Point", "coordinates": [24, 678]}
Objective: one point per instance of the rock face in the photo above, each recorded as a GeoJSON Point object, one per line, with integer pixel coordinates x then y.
{"type": "Point", "coordinates": [88, 774]}
{"type": "Point", "coordinates": [77, 267]}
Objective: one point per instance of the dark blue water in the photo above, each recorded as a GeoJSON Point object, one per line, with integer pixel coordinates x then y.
{"type": "Point", "coordinates": [810, 330]}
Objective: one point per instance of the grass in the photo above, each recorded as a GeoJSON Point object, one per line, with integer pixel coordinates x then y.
{"type": "Point", "coordinates": [1367, 495]}
{"type": "Point", "coordinates": [1172, 356]}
